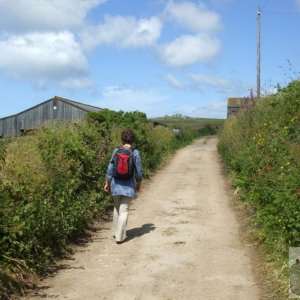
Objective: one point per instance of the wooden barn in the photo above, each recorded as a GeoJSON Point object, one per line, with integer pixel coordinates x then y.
{"type": "Point", "coordinates": [53, 109]}
{"type": "Point", "coordinates": [234, 105]}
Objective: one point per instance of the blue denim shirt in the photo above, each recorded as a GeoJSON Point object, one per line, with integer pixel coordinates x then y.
{"type": "Point", "coordinates": [125, 187]}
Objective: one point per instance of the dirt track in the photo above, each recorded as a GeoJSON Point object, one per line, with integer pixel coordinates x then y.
{"type": "Point", "coordinates": [183, 242]}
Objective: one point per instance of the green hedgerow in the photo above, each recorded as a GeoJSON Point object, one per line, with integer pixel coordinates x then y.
{"type": "Point", "coordinates": [261, 146]}
{"type": "Point", "coordinates": [51, 186]}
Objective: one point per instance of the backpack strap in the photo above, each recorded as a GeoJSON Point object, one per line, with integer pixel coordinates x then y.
{"type": "Point", "coordinates": [132, 149]}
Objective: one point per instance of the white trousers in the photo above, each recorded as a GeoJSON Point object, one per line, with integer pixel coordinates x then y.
{"type": "Point", "coordinates": [120, 217]}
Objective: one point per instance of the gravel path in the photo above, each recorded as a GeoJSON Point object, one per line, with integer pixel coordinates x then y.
{"type": "Point", "coordinates": [183, 242]}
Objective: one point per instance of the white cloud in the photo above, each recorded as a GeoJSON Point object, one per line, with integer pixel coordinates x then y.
{"type": "Point", "coordinates": [174, 82]}
{"type": "Point", "coordinates": [189, 49]}
{"type": "Point", "coordinates": [77, 83]}
{"type": "Point", "coordinates": [45, 57]}
{"type": "Point", "coordinates": [194, 17]}
{"type": "Point", "coordinates": [123, 32]}
{"type": "Point", "coordinates": [217, 109]}
{"type": "Point", "coordinates": [127, 94]}
{"type": "Point", "coordinates": [221, 85]}
{"type": "Point", "coordinates": [202, 82]}
{"type": "Point", "coordinates": [33, 15]}
{"type": "Point", "coordinates": [214, 81]}
{"type": "Point", "coordinates": [199, 80]}
{"type": "Point", "coordinates": [298, 4]}
{"type": "Point", "coordinates": [130, 99]}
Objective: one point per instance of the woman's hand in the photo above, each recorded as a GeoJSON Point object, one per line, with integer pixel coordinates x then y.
{"type": "Point", "coordinates": [138, 186]}
{"type": "Point", "coordinates": [107, 186]}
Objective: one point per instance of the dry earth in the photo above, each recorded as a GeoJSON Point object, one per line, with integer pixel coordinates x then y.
{"type": "Point", "coordinates": [183, 242]}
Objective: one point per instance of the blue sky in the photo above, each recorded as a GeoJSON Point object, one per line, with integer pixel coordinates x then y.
{"type": "Point", "coordinates": [161, 57]}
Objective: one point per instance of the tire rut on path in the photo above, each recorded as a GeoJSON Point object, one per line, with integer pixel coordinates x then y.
{"type": "Point", "coordinates": [183, 242]}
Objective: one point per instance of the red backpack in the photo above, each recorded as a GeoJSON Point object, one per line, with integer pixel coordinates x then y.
{"type": "Point", "coordinates": [123, 163]}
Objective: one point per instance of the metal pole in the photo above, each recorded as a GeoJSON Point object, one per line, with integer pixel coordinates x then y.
{"type": "Point", "coordinates": [258, 52]}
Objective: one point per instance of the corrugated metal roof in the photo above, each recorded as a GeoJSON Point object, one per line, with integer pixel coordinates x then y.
{"type": "Point", "coordinates": [82, 106]}
{"type": "Point", "coordinates": [234, 102]}
{"type": "Point", "coordinates": [240, 102]}
{"type": "Point", "coordinates": [85, 107]}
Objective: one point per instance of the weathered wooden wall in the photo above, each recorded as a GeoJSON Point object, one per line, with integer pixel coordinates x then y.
{"type": "Point", "coordinates": [34, 117]}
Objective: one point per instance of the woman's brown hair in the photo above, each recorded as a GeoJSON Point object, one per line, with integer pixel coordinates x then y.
{"type": "Point", "coordinates": [128, 136]}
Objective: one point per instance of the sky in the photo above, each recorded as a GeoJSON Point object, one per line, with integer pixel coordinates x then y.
{"type": "Point", "coordinates": [161, 57]}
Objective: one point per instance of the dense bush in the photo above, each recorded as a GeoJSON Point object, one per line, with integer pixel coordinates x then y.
{"type": "Point", "coordinates": [208, 130]}
{"type": "Point", "coordinates": [261, 147]}
{"type": "Point", "coordinates": [51, 185]}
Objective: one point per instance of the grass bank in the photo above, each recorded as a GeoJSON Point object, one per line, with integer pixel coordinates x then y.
{"type": "Point", "coordinates": [261, 148]}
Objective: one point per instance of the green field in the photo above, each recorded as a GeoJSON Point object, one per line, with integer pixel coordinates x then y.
{"type": "Point", "coordinates": [183, 122]}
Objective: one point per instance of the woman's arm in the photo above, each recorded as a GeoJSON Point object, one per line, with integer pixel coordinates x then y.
{"type": "Point", "coordinates": [138, 169]}
{"type": "Point", "coordinates": [109, 173]}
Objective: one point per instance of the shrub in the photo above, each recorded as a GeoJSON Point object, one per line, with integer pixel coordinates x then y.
{"type": "Point", "coordinates": [261, 147]}
{"type": "Point", "coordinates": [207, 130]}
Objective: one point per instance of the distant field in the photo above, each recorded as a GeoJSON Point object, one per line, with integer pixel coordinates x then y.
{"type": "Point", "coordinates": [189, 123]}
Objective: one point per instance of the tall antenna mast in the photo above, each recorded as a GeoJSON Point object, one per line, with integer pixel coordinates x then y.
{"type": "Point", "coordinates": [258, 53]}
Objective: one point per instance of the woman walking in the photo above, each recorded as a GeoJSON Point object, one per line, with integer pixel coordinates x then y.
{"type": "Point", "coordinates": [123, 179]}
